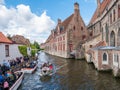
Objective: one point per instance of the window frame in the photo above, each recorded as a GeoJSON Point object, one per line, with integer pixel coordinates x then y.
{"type": "Point", "coordinates": [7, 53]}
{"type": "Point", "coordinates": [105, 62]}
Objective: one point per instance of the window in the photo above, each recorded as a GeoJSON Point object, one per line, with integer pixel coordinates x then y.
{"type": "Point", "coordinates": [118, 11]}
{"type": "Point", "coordinates": [116, 57]}
{"type": "Point", "coordinates": [7, 50]}
{"type": "Point", "coordinates": [81, 28]}
{"type": "Point", "coordinates": [74, 27]}
{"type": "Point", "coordinates": [107, 31]}
{"type": "Point", "coordinates": [118, 38]}
{"type": "Point", "coordinates": [110, 18]}
{"type": "Point", "coordinates": [112, 39]}
{"type": "Point", "coordinates": [91, 34]}
{"type": "Point", "coordinates": [104, 57]}
{"type": "Point", "coordinates": [83, 37]}
{"type": "Point", "coordinates": [90, 46]}
{"type": "Point", "coordinates": [114, 14]}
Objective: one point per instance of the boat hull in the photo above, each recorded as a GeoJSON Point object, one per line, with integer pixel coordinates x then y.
{"type": "Point", "coordinates": [17, 83]}
{"type": "Point", "coordinates": [29, 70]}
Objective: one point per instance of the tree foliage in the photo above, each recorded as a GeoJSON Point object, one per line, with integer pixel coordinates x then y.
{"type": "Point", "coordinates": [33, 50]}
{"type": "Point", "coordinates": [23, 50]}
{"type": "Point", "coordinates": [36, 44]}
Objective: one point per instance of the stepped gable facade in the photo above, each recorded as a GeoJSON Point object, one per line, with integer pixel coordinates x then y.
{"type": "Point", "coordinates": [106, 21]}
{"type": "Point", "coordinates": [64, 39]}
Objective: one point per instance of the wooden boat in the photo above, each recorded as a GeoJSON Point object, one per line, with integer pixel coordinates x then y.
{"type": "Point", "coordinates": [29, 70]}
{"type": "Point", "coordinates": [17, 83]}
{"type": "Point", "coordinates": [46, 71]}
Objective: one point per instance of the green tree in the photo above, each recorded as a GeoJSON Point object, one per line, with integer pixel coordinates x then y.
{"type": "Point", "coordinates": [23, 50]}
{"type": "Point", "coordinates": [36, 44]}
{"type": "Point", "coordinates": [33, 50]}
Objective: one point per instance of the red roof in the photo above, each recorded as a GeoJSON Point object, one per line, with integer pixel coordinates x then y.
{"type": "Point", "coordinates": [100, 10]}
{"type": "Point", "coordinates": [101, 43]}
{"type": "Point", "coordinates": [4, 39]}
{"type": "Point", "coordinates": [66, 22]}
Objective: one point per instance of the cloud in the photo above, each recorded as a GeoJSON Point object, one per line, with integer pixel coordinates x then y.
{"type": "Point", "coordinates": [2, 2]}
{"type": "Point", "coordinates": [22, 21]}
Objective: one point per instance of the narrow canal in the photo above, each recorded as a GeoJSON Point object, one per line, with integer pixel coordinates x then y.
{"type": "Point", "coordinates": [70, 75]}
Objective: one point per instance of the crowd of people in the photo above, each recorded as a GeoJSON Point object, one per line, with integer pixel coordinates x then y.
{"type": "Point", "coordinates": [7, 77]}
{"type": "Point", "coordinates": [7, 69]}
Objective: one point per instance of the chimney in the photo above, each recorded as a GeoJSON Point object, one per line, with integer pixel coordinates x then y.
{"type": "Point", "coordinates": [59, 21]}
{"type": "Point", "coordinates": [76, 7]}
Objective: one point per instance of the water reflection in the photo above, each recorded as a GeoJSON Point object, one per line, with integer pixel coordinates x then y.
{"type": "Point", "coordinates": [70, 75]}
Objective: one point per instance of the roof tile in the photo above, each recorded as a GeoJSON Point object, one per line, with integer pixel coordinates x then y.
{"type": "Point", "coordinates": [4, 39]}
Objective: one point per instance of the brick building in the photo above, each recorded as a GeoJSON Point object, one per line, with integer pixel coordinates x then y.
{"type": "Point", "coordinates": [20, 40]}
{"type": "Point", "coordinates": [105, 24]}
{"type": "Point", "coordinates": [64, 39]}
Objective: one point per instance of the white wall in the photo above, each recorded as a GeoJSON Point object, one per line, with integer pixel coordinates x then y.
{"type": "Point", "coordinates": [2, 53]}
{"type": "Point", "coordinates": [13, 52]}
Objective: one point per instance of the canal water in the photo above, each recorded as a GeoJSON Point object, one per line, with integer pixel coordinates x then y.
{"type": "Point", "coordinates": [69, 75]}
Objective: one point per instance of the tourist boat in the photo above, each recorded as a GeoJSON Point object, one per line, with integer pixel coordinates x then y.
{"type": "Point", "coordinates": [29, 70]}
{"type": "Point", "coordinates": [17, 83]}
{"type": "Point", "coordinates": [46, 71]}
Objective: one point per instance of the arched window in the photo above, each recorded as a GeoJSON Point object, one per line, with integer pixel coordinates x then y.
{"type": "Point", "coordinates": [118, 11]}
{"type": "Point", "coordinates": [118, 38]}
{"type": "Point", "coordinates": [112, 39]}
{"type": "Point", "coordinates": [104, 57]}
{"type": "Point", "coordinates": [114, 14]}
{"type": "Point", "coordinates": [107, 31]}
{"type": "Point", "coordinates": [110, 18]}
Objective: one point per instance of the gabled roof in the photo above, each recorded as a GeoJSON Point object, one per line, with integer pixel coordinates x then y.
{"type": "Point", "coordinates": [66, 22]}
{"type": "Point", "coordinates": [101, 43]}
{"type": "Point", "coordinates": [98, 45]}
{"type": "Point", "coordinates": [4, 39]}
{"type": "Point", "coordinates": [100, 10]}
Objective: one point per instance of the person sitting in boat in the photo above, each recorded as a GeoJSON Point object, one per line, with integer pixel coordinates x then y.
{"type": "Point", "coordinates": [51, 67]}
{"type": "Point", "coordinates": [6, 85]}
{"type": "Point", "coordinates": [45, 69]}
{"type": "Point", "coordinates": [1, 78]}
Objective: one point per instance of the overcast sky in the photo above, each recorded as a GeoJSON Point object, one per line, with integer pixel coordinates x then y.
{"type": "Point", "coordinates": [35, 19]}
